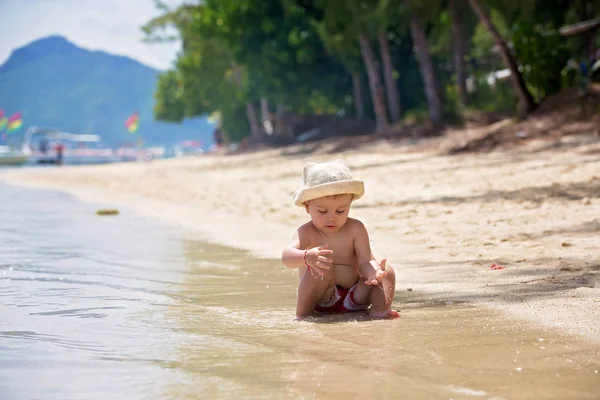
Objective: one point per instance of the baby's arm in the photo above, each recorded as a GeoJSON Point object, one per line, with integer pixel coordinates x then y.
{"type": "Point", "coordinates": [293, 255]}
{"type": "Point", "coordinates": [297, 254]}
{"type": "Point", "coordinates": [368, 266]}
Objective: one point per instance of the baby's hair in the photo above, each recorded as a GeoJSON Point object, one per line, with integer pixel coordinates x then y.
{"type": "Point", "coordinates": [335, 196]}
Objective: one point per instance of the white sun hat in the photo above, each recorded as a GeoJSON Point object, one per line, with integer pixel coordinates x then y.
{"type": "Point", "coordinates": [327, 179]}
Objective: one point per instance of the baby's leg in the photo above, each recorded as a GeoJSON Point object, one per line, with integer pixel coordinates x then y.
{"type": "Point", "coordinates": [380, 297]}
{"type": "Point", "coordinates": [312, 289]}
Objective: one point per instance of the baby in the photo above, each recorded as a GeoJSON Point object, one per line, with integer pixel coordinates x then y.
{"type": "Point", "coordinates": [337, 270]}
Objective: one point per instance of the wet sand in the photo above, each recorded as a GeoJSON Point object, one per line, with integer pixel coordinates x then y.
{"type": "Point", "coordinates": [441, 221]}
{"type": "Point", "coordinates": [438, 350]}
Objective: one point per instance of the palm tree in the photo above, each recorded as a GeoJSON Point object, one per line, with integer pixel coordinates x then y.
{"type": "Point", "coordinates": [393, 97]}
{"type": "Point", "coordinates": [432, 89]}
{"type": "Point", "coordinates": [377, 95]}
{"type": "Point", "coordinates": [359, 103]}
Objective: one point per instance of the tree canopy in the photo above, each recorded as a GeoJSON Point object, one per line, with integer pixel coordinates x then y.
{"type": "Point", "coordinates": [314, 56]}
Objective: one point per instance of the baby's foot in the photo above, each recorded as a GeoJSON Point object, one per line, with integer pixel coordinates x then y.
{"type": "Point", "coordinates": [384, 314]}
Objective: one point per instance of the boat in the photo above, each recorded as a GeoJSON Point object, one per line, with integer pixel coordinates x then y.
{"type": "Point", "coordinates": [10, 156]}
{"type": "Point", "coordinates": [53, 146]}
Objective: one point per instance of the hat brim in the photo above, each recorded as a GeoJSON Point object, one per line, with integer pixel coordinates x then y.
{"type": "Point", "coordinates": [350, 186]}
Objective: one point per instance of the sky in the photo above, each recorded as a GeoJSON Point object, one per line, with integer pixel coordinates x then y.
{"type": "Point", "coordinates": [109, 25]}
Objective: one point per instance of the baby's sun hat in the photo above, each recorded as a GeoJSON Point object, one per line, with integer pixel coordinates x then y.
{"type": "Point", "coordinates": [327, 179]}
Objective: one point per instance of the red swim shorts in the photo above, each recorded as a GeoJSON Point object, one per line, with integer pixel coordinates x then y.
{"type": "Point", "coordinates": [341, 301]}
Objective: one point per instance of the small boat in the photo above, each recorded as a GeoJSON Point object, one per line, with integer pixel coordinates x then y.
{"type": "Point", "coordinates": [53, 146]}
{"type": "Point", "coordinates": [9, 156]}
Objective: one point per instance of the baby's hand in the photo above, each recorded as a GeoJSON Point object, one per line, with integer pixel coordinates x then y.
{"type": "Point", "coordinates": [377, 276]}
{"type": "Point", "coordinates": [319, 258]}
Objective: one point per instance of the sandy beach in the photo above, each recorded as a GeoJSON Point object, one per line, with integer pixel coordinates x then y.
{"type": "Point", "coordinates": [441, 221]}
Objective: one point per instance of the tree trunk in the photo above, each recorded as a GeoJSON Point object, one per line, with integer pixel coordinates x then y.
{"type": "Point", "coordinates": [459, 50]}
{"type": "Point", "coordinates": [393, 97]}
{"type": "Point", "coordinates": [257, 132]}
{"type": "Point", "coordinates": [374, 83]}
{"type": "Point", "coordinates": [359, 102]}
{"type": "Point", "coordinates": [267, 124]}
{"type": "Point", "coordinates": [432, 90]}
{"type": "Point", "coordinates": [526, 102]}
{"type": "Point", "coordinates": [264, 112]}
{"type": "Point", "coordinates": [255, 129]}
{"type": "Point", "coordinates": [280, 129]}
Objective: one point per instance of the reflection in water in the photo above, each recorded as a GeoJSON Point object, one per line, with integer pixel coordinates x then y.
{"type": "Point", "coordinates": [92, 307]}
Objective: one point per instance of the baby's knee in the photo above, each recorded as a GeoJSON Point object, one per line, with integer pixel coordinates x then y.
{"type": "Point", "coordinates": [390, 273]}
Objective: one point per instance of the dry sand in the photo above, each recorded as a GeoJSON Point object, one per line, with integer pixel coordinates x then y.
{"type": "Point", "coordinates": [442, 221]}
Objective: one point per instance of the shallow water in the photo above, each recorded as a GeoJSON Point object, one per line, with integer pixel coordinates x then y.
{"type": "Point", "coordinates": [99, 307]}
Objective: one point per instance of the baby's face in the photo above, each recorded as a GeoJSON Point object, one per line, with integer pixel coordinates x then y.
{"type": "Point", "coordinates": [329, 214]}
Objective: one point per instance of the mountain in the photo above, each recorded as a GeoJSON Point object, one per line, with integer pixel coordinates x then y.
{"type": "Point", "coordinates": [55, 83]}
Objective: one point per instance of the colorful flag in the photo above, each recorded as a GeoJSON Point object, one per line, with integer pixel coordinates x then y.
{"type": "Point", "coordinates": [14, 123]}
{"type": "Point", "coordinates": [133, 123]}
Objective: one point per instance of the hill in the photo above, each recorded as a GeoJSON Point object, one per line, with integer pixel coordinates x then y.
{"type": "Point", "coordinates": [55, 83]}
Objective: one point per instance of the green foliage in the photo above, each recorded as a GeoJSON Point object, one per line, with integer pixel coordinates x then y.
{"type": "Point", "coordinates": [483, 43]}
{"type": "Point", "coordinates": [279, 49]}
{"type": "Point", "coordinates": [202, 81]}
{"type": "Point", "coordinates": [235, 124]}
{"type": "Point", "coordinates": [543, 53]}
{"type": "Point", "coordinates": [169, 104]}
{"type": "Point", "coordinates": [452, 107]}
{"type": "Point", "coordinates": [497, 97]}
{"type": "Point", "coordinates": [416, 116]}
{"type": "Point", "coordinates": [302, 54]}
{"type": "Point", "coordinates": [239, 51]}
{"type": "Point", "coordinates": [440, 36]}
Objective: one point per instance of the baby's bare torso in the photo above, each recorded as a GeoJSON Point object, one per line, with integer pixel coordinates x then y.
{"type": "Point", "coordinates": [344, 257]}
